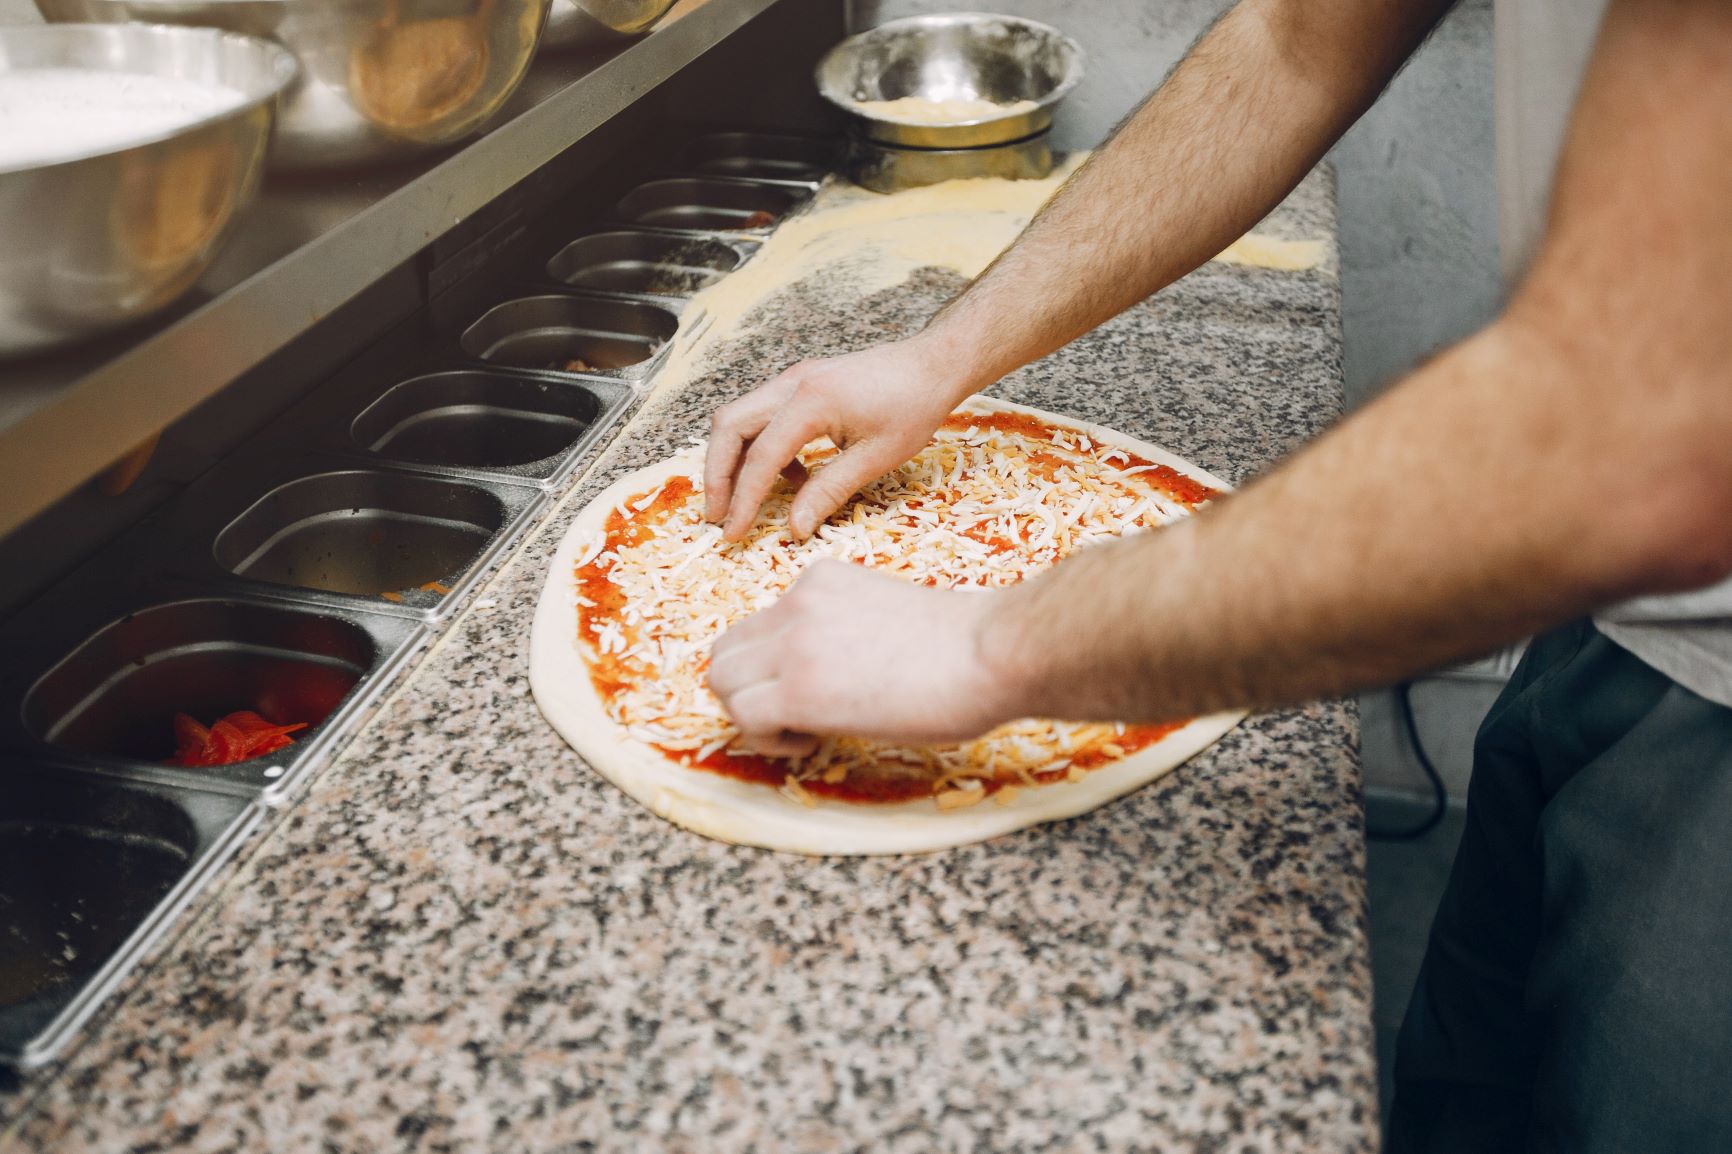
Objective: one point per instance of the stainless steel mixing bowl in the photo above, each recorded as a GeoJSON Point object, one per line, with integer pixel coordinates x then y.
{"type": "Point", "coordinates": [113, 235]}
{"type": "Point", "coordinates": [581, 24]}
{"type": "Point", "coordinates": [380, 79]}
{"type": "Point", "coordinates": [960, 55]}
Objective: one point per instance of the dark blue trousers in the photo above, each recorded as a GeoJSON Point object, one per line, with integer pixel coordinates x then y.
{"type": "Point", "coordinates": [1577, 989]}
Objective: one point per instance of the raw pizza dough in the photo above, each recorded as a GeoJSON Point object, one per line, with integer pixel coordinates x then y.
{"type": "Point", "coordinates": [756, 814]}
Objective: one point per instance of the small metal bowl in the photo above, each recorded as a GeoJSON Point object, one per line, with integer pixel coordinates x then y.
{"type": "Point", "coordinates": [381, 80]}
{"type": "Point", "coordinates": [99, 240]}
{"type": "Point", "coordinates": [586, 24]}
{"type": "Point", "coordinates": [881, 168]}
{"type": "Point", "coordinates": [961, 55]}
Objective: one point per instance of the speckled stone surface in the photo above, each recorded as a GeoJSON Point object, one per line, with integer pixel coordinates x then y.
{"type": "Point", "coordinates": [463, 939]}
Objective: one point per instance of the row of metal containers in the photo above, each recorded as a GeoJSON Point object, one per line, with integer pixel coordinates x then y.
{"type": "Point", "coordinates": [297, 576]}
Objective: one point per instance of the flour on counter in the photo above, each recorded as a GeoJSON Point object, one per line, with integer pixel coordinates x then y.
{"type": "Point", "coordinates": [875, 241]}
{"type": "Point", "coordinates": [926, 110]}
{"type": "Point", "coordinates": [1259, 251]}
{"type": "Point", "coordinates": [52, 114]}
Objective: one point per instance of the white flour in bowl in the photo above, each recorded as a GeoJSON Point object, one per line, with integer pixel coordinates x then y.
{"type": "Point", "coordinates": [49, 114]}
{"type": "Point", "coordinates": [926, 110]}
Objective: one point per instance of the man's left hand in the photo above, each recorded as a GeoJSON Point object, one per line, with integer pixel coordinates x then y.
{"type": "Point", "coordinates": [848, 651]}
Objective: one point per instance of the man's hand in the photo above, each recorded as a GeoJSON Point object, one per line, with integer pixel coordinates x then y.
{"type": "Point", "coordinates": [855, 652]}
{"type": "Point", "coordinates": [1235, 127]}
{"type": "Point", "coordinates": [880, 406]}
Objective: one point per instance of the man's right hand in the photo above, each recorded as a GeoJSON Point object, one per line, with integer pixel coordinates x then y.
{"type": "Point", "coordinates": [879, 406]}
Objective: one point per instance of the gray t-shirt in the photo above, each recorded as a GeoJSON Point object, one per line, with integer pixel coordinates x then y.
{"type": "Point", "coordinates": [1542, 51]}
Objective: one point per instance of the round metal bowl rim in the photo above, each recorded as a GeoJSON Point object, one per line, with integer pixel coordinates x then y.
{"type": "Point", "coordinates": [284, 66]}
{"type": "Point", "coordinates": [574, 33]}
{"type": "Point", "coordinates": [640, 27]}
{"type": "Point", "coordinates": [1072, 78]}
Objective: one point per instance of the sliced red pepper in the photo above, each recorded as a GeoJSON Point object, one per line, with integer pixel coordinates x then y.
{"type": "Point", "coordinates": [251, 723]}
{"type": "Point", "coordinates": [270, 743]}
{"type": "Point", "coordinates": [228, 744]}
{"type": "Point", "coordinates": [240, 736]}
{"type": "Point", "coordinates": [263, 737]}
{"type": "Point", "coordinates": [191, 741]}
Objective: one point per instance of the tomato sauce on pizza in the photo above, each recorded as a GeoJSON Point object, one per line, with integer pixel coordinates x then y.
{"type": "Point", "coordinates": [995, 498]}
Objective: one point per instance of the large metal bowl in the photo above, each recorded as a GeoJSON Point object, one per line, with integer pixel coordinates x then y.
{"type": "Point", "coordinates": [96, 241]}
{"type": "Point", "coordinates": [584, 24]}
{"type": "Point", "coordinates": [380, 79]}
{"type": "Point", "coordinates": [960, 55]}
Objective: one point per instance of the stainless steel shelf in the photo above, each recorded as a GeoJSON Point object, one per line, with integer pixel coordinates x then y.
{"type": "Point", "coordinates": [304, 250]}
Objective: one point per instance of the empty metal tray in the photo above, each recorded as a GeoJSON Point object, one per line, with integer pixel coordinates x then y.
{"type": "Point", "coordinates": [360, 532]}
{"type": "Point", "coordinates": [382, 540]}
{"type": "Point", "coordinates": [761, 155]}
{"type": "Point", "coordinates": [647, 263]}
{"type": "Point", "coordinates": [578, 334]}
{"type": "Point", "coordinates": [495, 424]}
{"type": "Point", "coordinates": [712, 204]}
{"type": "Point", "coordinates": [111, 698]}
{"type": "Point", "coordinates": [469, 420]}
{"type": "Point", "coordinates": [92, 871]}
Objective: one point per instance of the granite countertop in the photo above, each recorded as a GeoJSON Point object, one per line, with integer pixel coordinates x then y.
{"type": "Point", "coordinates": [461, 938]}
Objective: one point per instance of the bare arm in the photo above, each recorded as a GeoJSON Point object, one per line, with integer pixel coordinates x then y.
{"type": "Point", "coordinates": [1577, 451]}
{"type": "Point", "coordinates": [1242, 119]}
{"type": "Point", "coordinates": [1233, 129]}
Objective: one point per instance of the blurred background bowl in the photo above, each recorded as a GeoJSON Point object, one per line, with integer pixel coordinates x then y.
{"type": "Point", "coordinates": [381, 80]}
{"type": "Point", "coordinates": [583, 24]}
{"type": "Point", "coordinates": [953, 56]}
{"type": "Point", "coordinates": [110, 236]}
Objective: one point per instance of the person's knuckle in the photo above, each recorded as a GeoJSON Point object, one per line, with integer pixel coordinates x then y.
{"type": "Point", "coordinates": [815, 597]}
{"type": "Point", "coordinates": [721, 682]}
{"type": "Point", "coordinates": [815, 387]}
{"type": "Point", "coordinates": [800, 706]}
{"type": "Point", "coordinates": [805, 657]}
{"type": "Point", "coordinates": [752, 713]}
{"type": "Point", "coordinates": [756, 476]}
{"type": "Point", "coordinates": [725, 417]}
{"type": "Point", "coordinates": [829, 490]}
{"type": "Point", "coordinates": [799, 642]}
{"type": "Point", "coordinates": [791, 609]}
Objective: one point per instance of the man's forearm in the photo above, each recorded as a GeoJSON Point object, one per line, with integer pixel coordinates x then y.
{"type": "Point", "coordinates": [1236, 126]}
{"type": "Point", "coordinates": [1572, 454]}
{"type": "Point", "coordinates": [1494, 493]}
{"type": "Point", "coordinates": [1240, 121]}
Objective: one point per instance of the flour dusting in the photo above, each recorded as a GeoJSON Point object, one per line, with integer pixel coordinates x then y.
{"type": "Point", "coordinates": [52, 114]}
{"type": "Point", "coordinates": [876, 241]}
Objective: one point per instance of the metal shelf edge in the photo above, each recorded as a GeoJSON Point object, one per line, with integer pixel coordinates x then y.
{"type": "Point", "coordinates": [93, 418]}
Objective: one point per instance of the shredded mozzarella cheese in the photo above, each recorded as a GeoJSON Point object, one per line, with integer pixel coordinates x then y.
{"type": "Point", "coordinates": [980, 508]}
